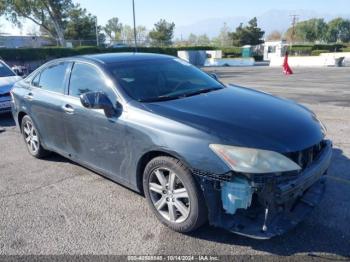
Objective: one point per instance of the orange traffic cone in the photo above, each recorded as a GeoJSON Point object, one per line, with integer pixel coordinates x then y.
{"type": "Point", "coordinates": [286, 68]}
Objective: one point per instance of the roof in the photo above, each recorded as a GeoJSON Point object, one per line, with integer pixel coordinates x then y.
{"type": "Point", "coordinates": [108, 58]}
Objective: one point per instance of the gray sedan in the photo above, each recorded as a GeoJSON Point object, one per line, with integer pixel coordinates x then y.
{"type": "Point", "coordinates": [199, 151]}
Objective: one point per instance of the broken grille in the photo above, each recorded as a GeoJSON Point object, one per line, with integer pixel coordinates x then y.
{"type": "Point", "coordinates": [305, 158]}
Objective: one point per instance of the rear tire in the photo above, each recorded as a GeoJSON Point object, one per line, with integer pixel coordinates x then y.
{"type": "Point", "coordinates": [31, 138]}
{"type": "Point", "coordinates": [173, 195]}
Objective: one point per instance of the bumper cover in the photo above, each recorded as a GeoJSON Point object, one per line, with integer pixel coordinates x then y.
{"type": "Point", "coordinates": [287, 204]}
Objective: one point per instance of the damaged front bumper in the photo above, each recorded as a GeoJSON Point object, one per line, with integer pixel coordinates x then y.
{"type": "Point", "coordinates": [274, 207]}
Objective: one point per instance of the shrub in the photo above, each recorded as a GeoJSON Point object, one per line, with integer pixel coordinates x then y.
{"type": "Point", "coordinates": [318, 52]}
{"type": "Point", "coordinates": [315, 49]}
{"type": "Point", "coordinates": [330, 48]}
{"type": "Point", "coordinates": [31, 54]}
{"type": "Point", "coordinates": [231, 52]}
{"type": "Point", "coordinates": [301, 49]}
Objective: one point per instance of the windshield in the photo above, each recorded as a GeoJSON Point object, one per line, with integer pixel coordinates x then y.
{"type": "Point", "coordinates": [162, 79]}
{"type": "Point", "coordinates": [5, 71]}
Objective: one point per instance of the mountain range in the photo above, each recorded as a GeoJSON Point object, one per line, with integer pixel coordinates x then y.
{"type": "Point", "coordinates": [269, 21]}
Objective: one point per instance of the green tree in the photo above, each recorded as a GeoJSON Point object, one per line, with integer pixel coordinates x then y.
{"type": "Point", "coordinates": [308, 31]}
{"type": "Point", "coordinates": [81, 25]}
{"type": "Point", "coordinates": [247, 35]}
{"type": "Point", "coordinates": [223, 39]}
{"type": "Point", "coordinates": [192, 39]}
{"type": "Point", "coordinates": [274, 36]}
{"type": "Point", "coordinates": [127, 34]}
{"type": "Point", "coordinates": [113, 28]}
{"type": "Point", "coordinates": [203, 40]}
{"type": "Point", "coordinates": [163, 33]}
{"type": "Point", "coordinates": [338, 30]}
{"type": "Point", "coordinates": [141, 34]}
{"type": "Point", "coordinates": [50, 15]}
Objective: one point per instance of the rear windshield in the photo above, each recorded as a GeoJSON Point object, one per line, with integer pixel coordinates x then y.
{"type": "Point", "coordinates": [5, 71]}
{"type": "Point", "coordinates": [162, 79]}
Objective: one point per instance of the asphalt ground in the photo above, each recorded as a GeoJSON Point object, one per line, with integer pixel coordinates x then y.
{"type": "Point", "coordinates": [54, 206]}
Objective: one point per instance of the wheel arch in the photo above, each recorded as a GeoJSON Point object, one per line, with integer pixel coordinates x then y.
{"type": "Point", "coordinates": [147, 157]}
{"type": "Point", "coordinates": [21, 114]}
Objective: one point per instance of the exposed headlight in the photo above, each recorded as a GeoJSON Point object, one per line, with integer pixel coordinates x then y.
{"type": "Point", "coordinates": [250, 160]}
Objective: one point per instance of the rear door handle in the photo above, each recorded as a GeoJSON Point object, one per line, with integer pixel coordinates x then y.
{"type": "Point", "coordinates": [68, 109]}
{"type": "Point", "coordinates": [29, 96]}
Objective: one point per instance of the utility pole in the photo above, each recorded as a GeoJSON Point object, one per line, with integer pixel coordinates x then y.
{"type": "Point", "coordinates": [294, 22]}
{"type": "Point", "coordinates": [133, 11]}
{"type": "Point", "coordinates": [96, 28]}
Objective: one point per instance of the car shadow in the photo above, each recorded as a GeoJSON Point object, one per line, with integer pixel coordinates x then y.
{"type": "Point", "coordinates": [54, 157]}
{"type": "Point", "coordinates": [301, 240]}
{"type": "Point", "coordinates": [314, 235]}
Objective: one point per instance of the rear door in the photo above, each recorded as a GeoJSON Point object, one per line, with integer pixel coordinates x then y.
{"type": "Point", "coordinates": [45, 99]}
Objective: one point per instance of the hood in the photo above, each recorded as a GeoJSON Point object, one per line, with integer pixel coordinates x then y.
{"type": "Point", "coordinates": [245, 117]}
{"type": "Point", "coordinates": [6, 83]}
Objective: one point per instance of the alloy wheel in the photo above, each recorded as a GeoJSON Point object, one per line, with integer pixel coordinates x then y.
{"type": "Point", "coordinates": [31, 137]}
{"type": "Point", "coordinates": [169, 195]}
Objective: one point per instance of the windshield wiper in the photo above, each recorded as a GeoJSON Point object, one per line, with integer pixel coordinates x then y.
{"type": "Point", "coordinates": [158, 99]}
{"type": "Point", "coordinates": [200, 91]}
{"type": "Point", "coordinates": [172, 97]}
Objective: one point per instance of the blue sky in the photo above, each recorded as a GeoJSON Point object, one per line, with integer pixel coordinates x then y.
{"type": "Point", "coordinates": [184, 12]}
{"type": "Point", "coordinates": [187, 12]}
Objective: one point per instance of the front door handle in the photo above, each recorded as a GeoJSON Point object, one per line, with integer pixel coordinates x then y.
{"type": "Point", "coordinates": [68, 109]}
{"type": "Point", "coordinates": [29, 96]}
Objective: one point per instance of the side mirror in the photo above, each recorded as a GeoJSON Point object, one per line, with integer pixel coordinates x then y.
{"type": "Point", "coordinates": [215, 76]}
{"type": "Point", "coordinates": [98, 100]}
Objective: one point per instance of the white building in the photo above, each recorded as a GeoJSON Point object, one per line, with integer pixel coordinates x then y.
{"type": "Point", "coordinates": [274, 49]}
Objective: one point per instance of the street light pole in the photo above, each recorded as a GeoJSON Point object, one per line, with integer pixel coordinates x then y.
{"type": "Point", "coordinates": [96, 28]}
{"type": "Point", "coordinates": [133, 11]}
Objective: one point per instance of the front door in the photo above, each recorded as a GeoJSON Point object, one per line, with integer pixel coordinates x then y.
{"type": "Point", "coordinates": [92, 137]}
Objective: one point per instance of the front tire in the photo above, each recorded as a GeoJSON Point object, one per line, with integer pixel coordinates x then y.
{"type": "Point", "coordinates": [173, 194]}
{"type": "Point", "coordinates": [31, 138]}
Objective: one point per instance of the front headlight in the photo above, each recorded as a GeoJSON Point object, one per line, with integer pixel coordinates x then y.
{"type": "Point", "coordinates": [250, 160]}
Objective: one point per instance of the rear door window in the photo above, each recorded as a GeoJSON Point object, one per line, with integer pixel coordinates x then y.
{"type": "Point", "coordinates": [53, 78]}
